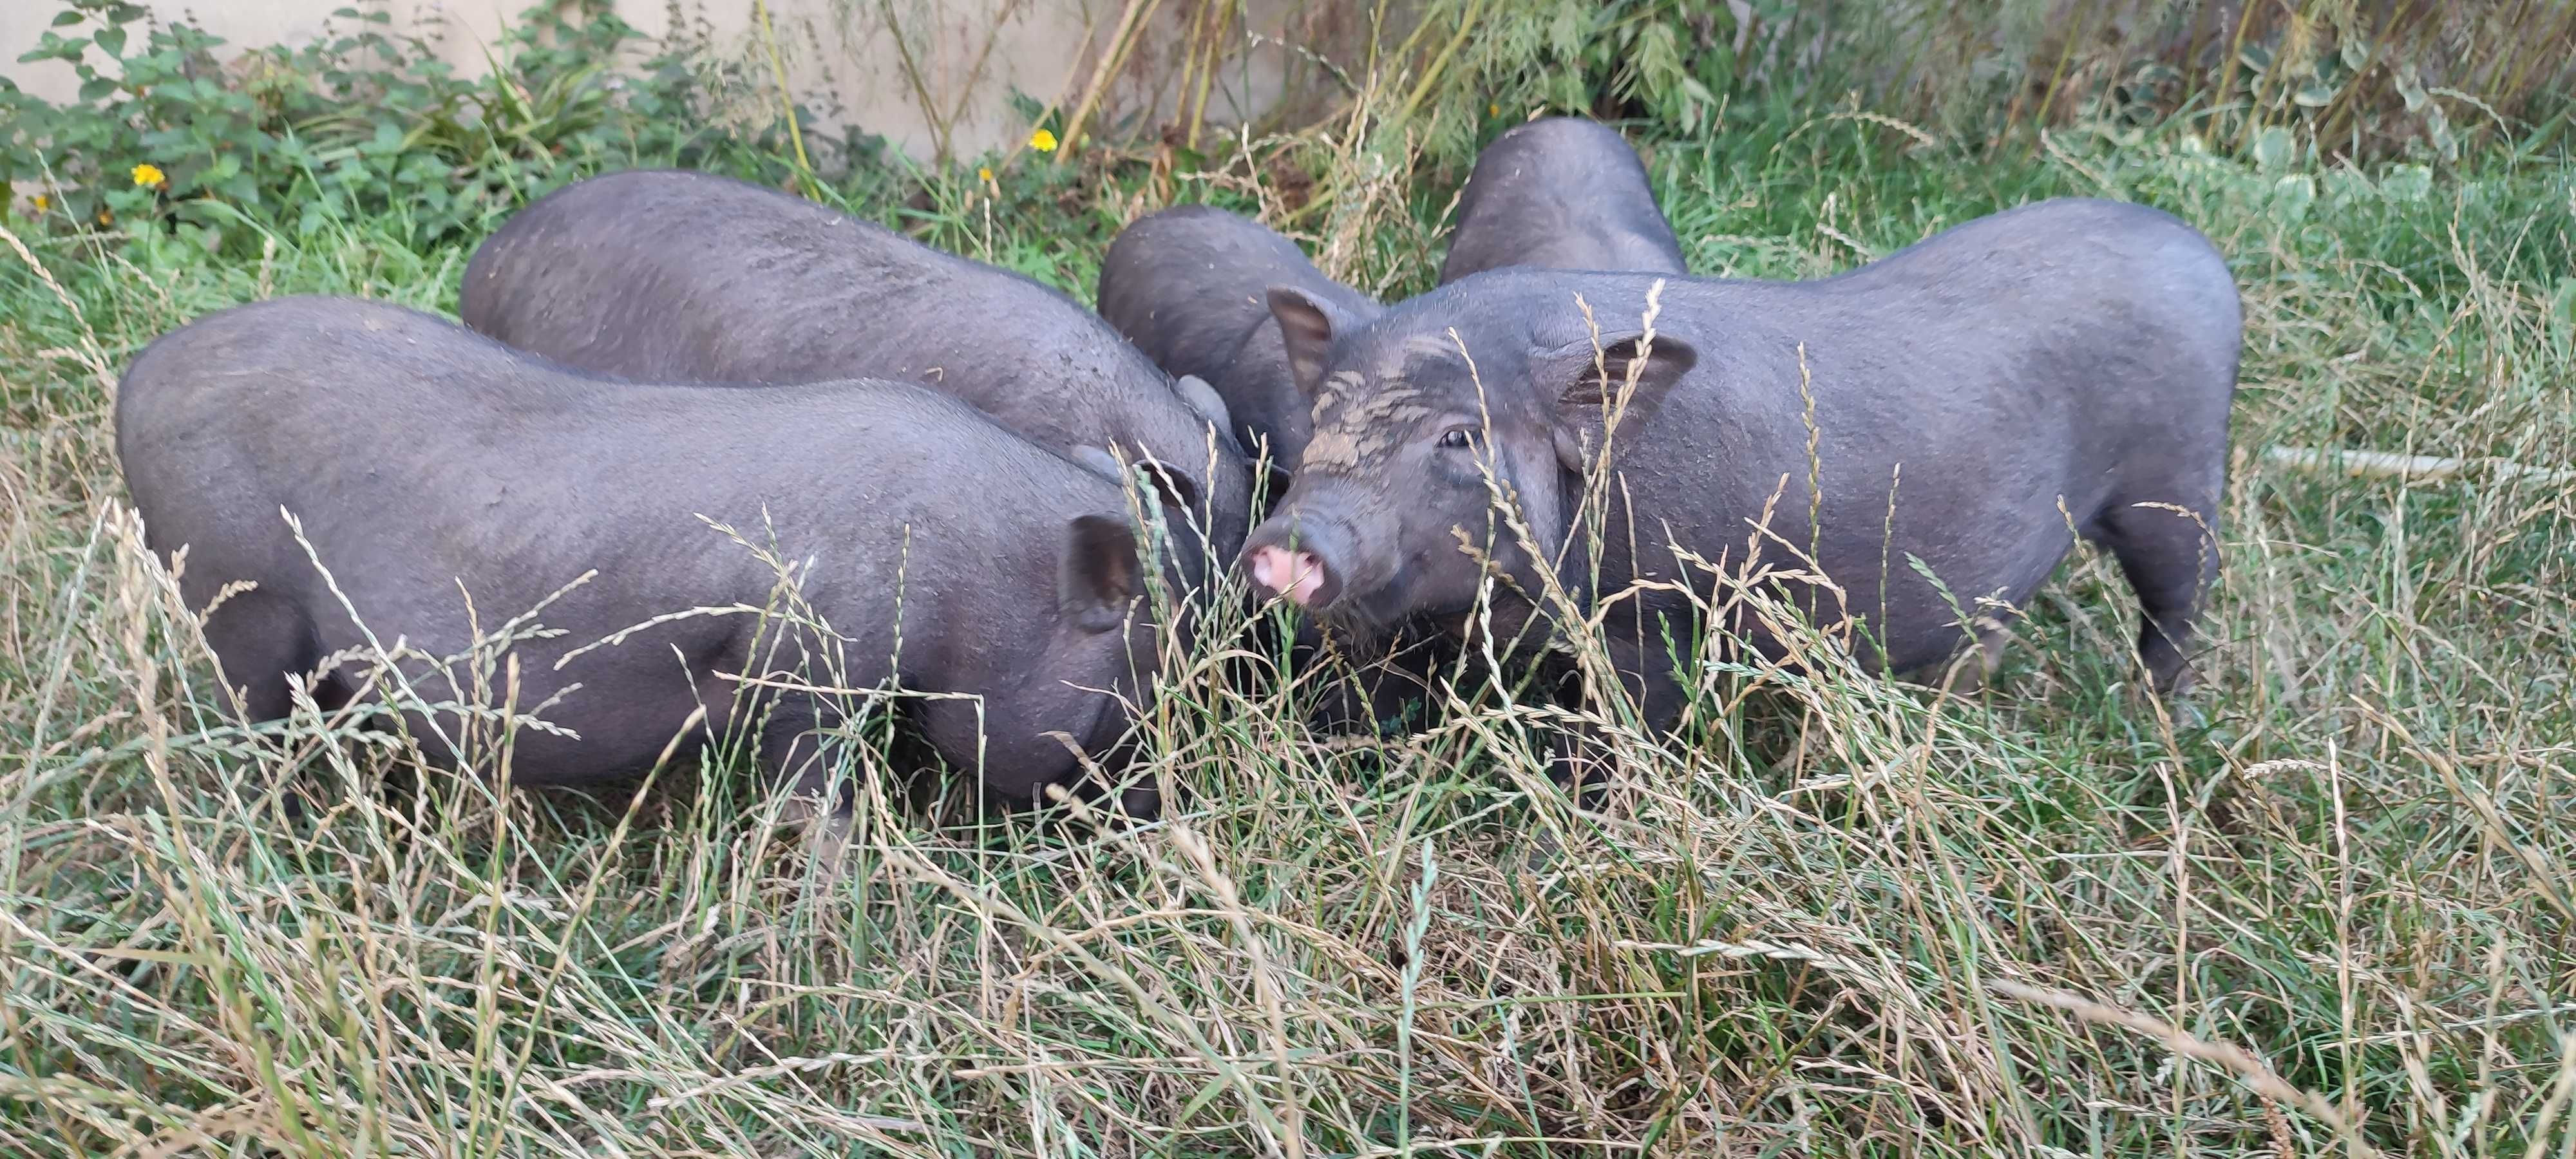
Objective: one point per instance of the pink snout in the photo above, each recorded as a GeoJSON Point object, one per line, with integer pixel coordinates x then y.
{"type": "Point", "coordinates": [1297, 575]}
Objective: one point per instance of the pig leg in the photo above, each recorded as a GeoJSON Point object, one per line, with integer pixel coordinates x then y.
{"type": "Point", "coordinates": [1647, 669]}
{"type": "Point", "coordinates": [1397, 682]}
{"type": "Point", "coordinates": [1344, 702]}
{"type": "Point", "coordinates": [2170, 561]}
{"type": "Point", "coordinates": [1967, 672]}
{"type": "Point", "coordinates": [790, 747]}
{"type": "Point", "coordinates": [1652, 658]}
{"type": "Point", "coordinates": [260, 640]}
{"type": "Point", "coordinates": [1577, 767]}
{"type": "Point", "coordinates": [1383, 684]}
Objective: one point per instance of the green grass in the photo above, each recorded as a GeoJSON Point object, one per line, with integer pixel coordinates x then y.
{"type": "Point", "coordinates": [1846, 917]}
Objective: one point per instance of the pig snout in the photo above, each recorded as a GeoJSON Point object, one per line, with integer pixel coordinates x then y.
{"type": "Point", "coordinates": [1301, 558]}
{"type": "Point", "coordinates": [1298, 575]}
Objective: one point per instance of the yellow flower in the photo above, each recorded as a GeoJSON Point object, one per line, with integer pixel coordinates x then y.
{"type": "Point", "coordinates": [150, 176]}
{"type": "Point", "coordinates": [984, 174]}
{"type": "Point", "coordinates": [41, 202]}
{"type": "Point", "coordinates": [106, 218]}
{"type": "Point", "coordinates": [1042, 141]}
{"type": "Point", "coordinates": [1494, 110]}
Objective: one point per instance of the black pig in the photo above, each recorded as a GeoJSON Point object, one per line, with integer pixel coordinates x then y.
{"type": "Point", "coordinates": [428, 463]}
{"type": "Point", "coordinates": [1979, 399]}
{"type": "Point", "coordinates": [1188, 285]}
{"type": "Point", "coordinates": [1560, 193]}
{"type": "Point", "coordinates": [669, 276]}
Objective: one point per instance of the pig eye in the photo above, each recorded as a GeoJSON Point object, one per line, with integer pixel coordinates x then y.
{"type": "Point", "coordinates": [1457, 439]}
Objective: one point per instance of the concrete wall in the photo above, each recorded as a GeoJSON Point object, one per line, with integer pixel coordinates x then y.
{"type": "Point", "coordinates": [845, 58]}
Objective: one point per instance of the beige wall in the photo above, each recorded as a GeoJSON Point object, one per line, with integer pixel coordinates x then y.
{"type": "Point", "coordinates": [840, 53]}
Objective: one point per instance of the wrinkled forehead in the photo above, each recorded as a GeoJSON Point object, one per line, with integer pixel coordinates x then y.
{"type": "Point", "coordinates": [1412, 357]}
{"type": "Point", "coordinates": [1429, 369]}
{"type": "Point", "coordinates": [1380, 394]}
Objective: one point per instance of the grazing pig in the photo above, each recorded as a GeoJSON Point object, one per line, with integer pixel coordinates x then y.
{"type": "Point", "coordinates": [1560, 193]}
{"type": "Point", "coordinates": [670, 276]}
{"type": "Point", "coordinates": [1188, 285]}
{"type": "Point", "coordinates": [429, 465]}
{"type": "Point", "coordinates": [1978, 400]}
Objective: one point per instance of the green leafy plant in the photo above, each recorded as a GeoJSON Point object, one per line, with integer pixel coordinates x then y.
{"type": "Point", "coordinates": [2351, 78]}
{"type": "Point", "coordinates": [363, 122]}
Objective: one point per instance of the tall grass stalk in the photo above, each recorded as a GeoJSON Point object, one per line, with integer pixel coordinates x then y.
{"type": "Point", "coordinates": [1834, 915]}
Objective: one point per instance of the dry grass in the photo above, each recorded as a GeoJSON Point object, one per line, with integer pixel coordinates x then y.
{"type": "Point", "coordinates": [1838, 916]}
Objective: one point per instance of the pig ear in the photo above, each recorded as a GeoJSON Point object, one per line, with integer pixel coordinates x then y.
{"type": "Point", "coordinates": [1204, 399]}
{"type": "Point", "coordinates": [1100, 576]}
{"type": "Point", "coordinates": [1306, 325]}
{"type": "Point", "coordinates": [1589, 386]}
{"type": "Point", "coordinates": [1179, 489]}
{"type": "Point", "coordinates": [1099, 460]}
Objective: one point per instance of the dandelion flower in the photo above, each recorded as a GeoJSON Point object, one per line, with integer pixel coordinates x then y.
{"type": "Point", "coordinates": [1494, 110]}
{"type": "Point", "coordinates": [150, 176]}
{"type": "Point", "coordinates": [984, 174]}
{"type": "Point", "coordinates": [41, 202]}
{"type": "Point", "coordinates": [1042, 141]}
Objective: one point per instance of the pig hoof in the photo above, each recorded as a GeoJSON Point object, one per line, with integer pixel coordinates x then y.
{"type": "Point", "coordinates": [1965, 679]}
{"type": "Point", "coordinates": [292, 808]}
{"type": "Point", "coordinates": [1542, 852]}
{"type": "Point", "coordinates": [1141, 802]}
{"type": "Point", "coordinates": [2186, 715]}
{"type": "Point", "coordinates": [827, 843]}
{"type": "Point", "coordinates": [826, 832]}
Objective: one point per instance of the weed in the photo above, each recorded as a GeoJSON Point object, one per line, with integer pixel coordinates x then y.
{"type": "Point", "coordinates": [1835, 916]}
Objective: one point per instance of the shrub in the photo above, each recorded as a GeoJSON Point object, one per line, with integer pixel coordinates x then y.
{"type": "Point", "coordinates": [363, 123]}
{"type": "Point", "coordinates": [2364, 79]}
